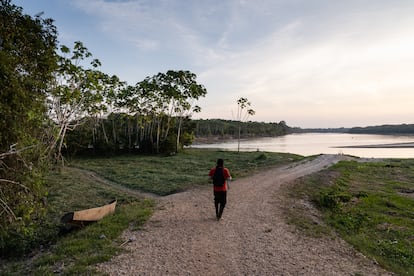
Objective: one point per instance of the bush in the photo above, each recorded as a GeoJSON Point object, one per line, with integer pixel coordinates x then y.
{"type": "Point", "coordinates": [23, 207]}
{"type": "Point", "coordinates": [262, 156]}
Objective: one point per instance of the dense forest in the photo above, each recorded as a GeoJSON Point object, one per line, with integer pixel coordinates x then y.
{"type": "Point", "coordinates": [121, 133]}
{"type": "Point", "coordinates": [384, 129]}
{"type": "Point", "coordinates": [321, 130]}
{"type": "Point", "coordinates": [229, 129]}
{"type": "Point", "coordinates": [381, 129]}
{"type": "Point", "coordinates": [27, 62]}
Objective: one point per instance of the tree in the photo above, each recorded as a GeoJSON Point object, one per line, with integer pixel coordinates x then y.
{"type": "Point", "coordinates": [27, 60]}
{"type": "Point", "coordinates": [76, 93]}
{"type": "Point", "coordinates": [181, 90]}
{"type": "Point", "coordinates": [163, 100]}
{"type": "Point", "coordinates": [229, 128]}
{"type": "Point", "coordinates": [243, 112]}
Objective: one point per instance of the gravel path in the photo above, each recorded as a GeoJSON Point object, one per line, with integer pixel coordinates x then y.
{"type": "Point", "coordinates": [184, 238]}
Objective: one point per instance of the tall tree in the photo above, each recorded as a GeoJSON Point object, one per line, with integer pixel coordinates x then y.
{"type": "Point", "coordinates": [243, 112]}
{"type": "Point", "coordinates": [77, 92]}
{"type": "Point", "coordinates": [27, 60]}
{"type": "Point", "coordinates": [180, 91]}
{"type": "Point", "coordinates": [148, 113]}
{"type": "Point", "coordinates": [165, 99]}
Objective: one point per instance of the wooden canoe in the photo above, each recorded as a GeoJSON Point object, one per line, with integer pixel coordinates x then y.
{"type": "Point", "coordinates": [89, 215]}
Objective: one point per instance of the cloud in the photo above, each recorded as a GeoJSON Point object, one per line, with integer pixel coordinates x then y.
{"type": "Point", "coordinates": [292, 59]}
{"type": "Point", "coordinates": [342, 69]}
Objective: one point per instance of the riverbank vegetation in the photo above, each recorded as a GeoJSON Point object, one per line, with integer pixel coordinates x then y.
{"type": "Point", "coordinates": [55, 250]}
{"type": "Point", "coordinates": [370, 205]}
{"type": "Point", "coordinates": [385, 129]}
{"type": "Point", "coordinates": [401, 129]}
{"type": "Point", "coordinates": [224, 129]}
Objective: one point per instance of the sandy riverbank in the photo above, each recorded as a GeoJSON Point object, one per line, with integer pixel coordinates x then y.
{"type": "Point", "coordinates": [394, 145]}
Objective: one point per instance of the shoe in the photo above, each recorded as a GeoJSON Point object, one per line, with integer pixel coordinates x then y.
{"type": "Point", "coordinates": [220, 213]}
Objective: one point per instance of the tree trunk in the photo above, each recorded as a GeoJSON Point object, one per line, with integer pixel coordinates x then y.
{"type": "Point", "coordinates": [180, 120]}
{"type": "Point", "coordinates": [158, 137]}
{"type": "Point", "coordinates": [114, 135]}
{"type": "Point", "coordinates": [238, 140]}
{"type": "Point", "coordinates": [59, 153]}
{"type": "Point", "coordinates": [104, 132]}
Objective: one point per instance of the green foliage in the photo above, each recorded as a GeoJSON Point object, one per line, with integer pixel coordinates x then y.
{"type": "Point", "coordinates": [332, 198]}
{"type": "Point", "coordinates": [121, 133]}
{"type": "Point", "coordinates": [72, 252]}
{"type": "Point", "coordinates": [164, 175]}
{"type": "Point", "coordinates": [76, 252]}
{"type": "Point", "coordinates": [77, 92]}
{"type": "Point", "coordinates": [27, 60]}
{"type": "Point", "coordinates": [370, 205]}
{"type": "Point", "coordinates": [161, 106]}
{"type": "Point", "coordinates": [226, 128]}
{"type": "Point", "coordinates": [164, 101]}
{"type": "Point", "coordinates": [385, 129]}
{"type": "Point", "coordinates": [262, 156]}
{"type": "Point", "coordinates": [243, 112]}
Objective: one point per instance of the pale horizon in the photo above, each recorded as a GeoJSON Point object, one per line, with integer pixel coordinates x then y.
{"type": "Point", "coordinates": [312, 64]}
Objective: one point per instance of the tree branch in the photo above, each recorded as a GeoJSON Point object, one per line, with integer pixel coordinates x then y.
{"type": "Point", "coordinates": [13, 151]}
{"type": "Point", "coordinates": [7, 209]}
{"type": "Point", "coordinates": [14, 182]}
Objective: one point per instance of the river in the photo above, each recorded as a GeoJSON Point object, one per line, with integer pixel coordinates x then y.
{"type": "Point", "coordinates": [331, 143]}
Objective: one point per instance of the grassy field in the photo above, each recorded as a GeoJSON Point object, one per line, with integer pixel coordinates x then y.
{"type": "Point", "coordinates": [371, 205]}
{"type": "Point", "coordinates": [163, 175]}
{"type": "Point", "coordinates": [75, 253]}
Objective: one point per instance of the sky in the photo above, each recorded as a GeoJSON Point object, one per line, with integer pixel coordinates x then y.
{"type": "Point", "coordinates": [310, 63]}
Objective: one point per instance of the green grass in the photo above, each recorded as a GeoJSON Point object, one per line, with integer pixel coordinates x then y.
{"type": "Point", "coordinates": [73, 253]}
{"type": "Point", "coordinates": [94, 244]}
{"type": "Point", "coordinates": [371, 205]}
{"type": "Point", "coordinates": [76, 252]}
{"type": "Point", "coordinates": [165, 175]}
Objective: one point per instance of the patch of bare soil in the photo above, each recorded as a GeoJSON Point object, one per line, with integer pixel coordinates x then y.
{"type": "Point", "coordinates": [184, 238]}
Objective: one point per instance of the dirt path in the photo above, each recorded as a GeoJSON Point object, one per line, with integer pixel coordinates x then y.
{"type": "Point", "coordinates": [184, 238]}
{"type": "Point", "coordinates": [103, 181]}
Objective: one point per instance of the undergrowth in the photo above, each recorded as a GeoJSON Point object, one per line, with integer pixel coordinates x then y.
{"type": "Point", "coordinates": [370, 204]}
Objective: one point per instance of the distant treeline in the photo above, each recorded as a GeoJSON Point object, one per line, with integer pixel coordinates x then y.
{"type": "Point", "coordinates": [320, 130]}
{"type": "Point", "coordinates": [384, 129]}
{"type": "Point", "coordinates": [230, 128]}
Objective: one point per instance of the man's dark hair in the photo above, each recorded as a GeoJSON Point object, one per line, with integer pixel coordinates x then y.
{"type": "Point", "coordinates": [220, 162]}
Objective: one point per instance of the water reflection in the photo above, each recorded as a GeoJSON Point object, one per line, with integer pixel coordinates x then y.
{"type": "Point", "coordinates": [330, 143]}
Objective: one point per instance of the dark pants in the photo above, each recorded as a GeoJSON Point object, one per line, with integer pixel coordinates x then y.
{"type": "Point", "coordinates": [220, 200]}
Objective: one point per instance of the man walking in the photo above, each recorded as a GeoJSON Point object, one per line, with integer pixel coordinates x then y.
{"type": "Point", "coordinates": [220, 176]}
